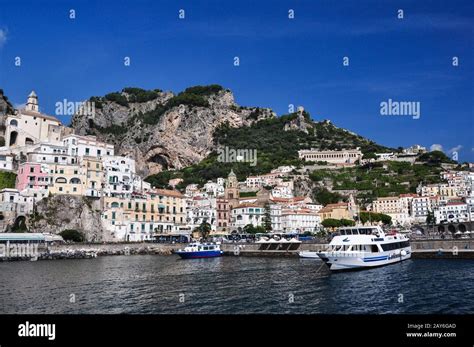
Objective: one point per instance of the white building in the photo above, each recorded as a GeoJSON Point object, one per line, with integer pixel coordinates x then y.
{"type": "Point", "coordinates": [275, 217]}
{"type": "Point", "coordinates": [245, 214]}
{"type": "Point", "coordinates": [254, 182]}
{"type": "Point", "coordinates": [87, 146]}
{"type": "Point", "coordinates": [347, 156]}
{"type": "Point", "coordinates": [282, 192]}
{"type": "Point", "coordinates": [214, 189]}
{"type": "Point", "coordinates": [420, 207]}
{"type": "Point", "coordinates": [397, 207]}
{"type": "Point", "coordinates": [385, 156]}
{"type": "Point", "coordinates": [29, 126]}
{"type": "Point", "coordinates": [120, 177]}
{"type": "Point", "coordinates": [452, 212]}
{"type": "Point", "coordinates": [300, 220]}
{"type": "Point", "coordinates": [51, 153]}
{"type": "Point", "coordinates": [201, 210]}
{"type": "Point", "coordinates": [283, 170]}
{"type": "Point", "coordinates": [6, 162]}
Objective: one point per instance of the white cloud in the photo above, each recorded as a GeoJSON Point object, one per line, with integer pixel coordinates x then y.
{"type": "Point", "coordinates": [3, 37]}
{"type": "Point", "coordinates": [436, 147]}
{"type": "Point", "coordinates": [455, 149]}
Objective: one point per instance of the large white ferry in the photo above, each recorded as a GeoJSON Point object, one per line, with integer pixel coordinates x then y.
{"type": "Point", "coordinates": [365, 247]}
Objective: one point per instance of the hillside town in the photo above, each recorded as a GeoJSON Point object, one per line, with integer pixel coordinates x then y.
{"type": "Point", "coordinates": [49, 159]}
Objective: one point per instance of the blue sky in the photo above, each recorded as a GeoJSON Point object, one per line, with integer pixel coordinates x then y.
{"type": "Point", "coordinates": [282, 61]}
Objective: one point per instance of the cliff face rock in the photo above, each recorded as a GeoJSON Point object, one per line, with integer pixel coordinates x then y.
{"type": "Point", "coordinates": [165, 131]}
{"type": "Point", "coordinates": [5, 105]}
{"type": "Point", "coordinates": [301, 122]}
{"type": "Point", "coordinates": [60, 212]}
{"type": "Point", "coordinates": [303, 186]}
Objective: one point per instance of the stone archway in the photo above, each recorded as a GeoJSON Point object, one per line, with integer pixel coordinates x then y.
{"type": "Point", "coordinates": [462, 228]}
{"type": "Point", "coordinates": [441, 229]}
{"type": "Point", "coordinates": [451, 228]}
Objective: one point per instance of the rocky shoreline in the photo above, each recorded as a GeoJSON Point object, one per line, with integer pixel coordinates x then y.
{"type": "Point", "coordinates": [81, 251]}
{"type": "Point", "coordinates": [94, 252]}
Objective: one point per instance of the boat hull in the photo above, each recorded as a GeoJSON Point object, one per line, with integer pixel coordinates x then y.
{"type": "Point", "coordinates": [309, 255]}
{"type": "Point", "coordinates": [338, 261]}
{"type": "Point", "coordinates": [199, 254]}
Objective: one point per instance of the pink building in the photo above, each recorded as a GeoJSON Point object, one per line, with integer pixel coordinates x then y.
{"type": "Point", "coordinates": [31, 176]}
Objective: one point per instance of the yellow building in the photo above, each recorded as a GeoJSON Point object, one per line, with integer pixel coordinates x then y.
{"type": "Point", "coordinates": [143, 216]}
{"type": "Point", "coordinates": [336, 211]}
{"type": "Point", "coordinates": [66, 179]}
{"type": "Point", "coordinates": [85, 178]}
{"type": "Point", "coordinates": [94, 176]}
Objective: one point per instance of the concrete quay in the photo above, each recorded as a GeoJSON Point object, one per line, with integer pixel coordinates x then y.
{"type": "Point", "coordinates": [430, 249]}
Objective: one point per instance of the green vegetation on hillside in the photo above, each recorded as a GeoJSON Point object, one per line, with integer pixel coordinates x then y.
{"type": "Point", "coordinates": [274, 146]}
{"type": "Point", "coordinates": [435, 158]}
{"type": "Point", "coordinates": [324, 196]}
{"type": "Point", "coordinates": [380, 179]}
{"type": "Point", "coordinates": [141, 95]}
{"type": "Point", "coordinates": [119, 98]}
{"type": "Point", "coordinates": [193, 96]}
{"type": "Point", "coordinates": [7, 179]}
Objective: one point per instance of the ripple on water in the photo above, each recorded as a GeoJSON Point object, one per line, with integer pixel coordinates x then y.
{"type": "Point", "coordinates": [233, 285]}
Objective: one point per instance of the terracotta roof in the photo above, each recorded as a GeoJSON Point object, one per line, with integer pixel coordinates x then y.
{"type": "Point", "coordinates": [297, 198]}
{"type": "Point", "coordinates": [247, 205]}
{"type": "Point", "coordinates": [167, 192]}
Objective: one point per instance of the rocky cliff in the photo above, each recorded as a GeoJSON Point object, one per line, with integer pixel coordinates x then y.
{"type": "Point", "coordinates": [60, 212]}
{"type": "Point", "coordinates": [164, 131]}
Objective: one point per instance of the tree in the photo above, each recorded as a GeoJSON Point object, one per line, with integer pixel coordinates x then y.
{"type": "Point", "coordinates": [347, 223]}
{"type": "Point", "coordinates": [369, 155]}
{"type": "Point", "coordinates": [331, 223]}
{"type": "Point", "coordinates": [375, 217]}
{"type": "Point", "coordinates": [204, 229]}
{"type": "Point", "coordinates": [325, 197]}
{"type": "Point", "coordinates": [267, 220]}
{"type": "Point", "coordinates": [430, 219]}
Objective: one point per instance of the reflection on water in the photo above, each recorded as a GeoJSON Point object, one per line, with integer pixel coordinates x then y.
{"type": "Point", "coordinates": [166, 284]}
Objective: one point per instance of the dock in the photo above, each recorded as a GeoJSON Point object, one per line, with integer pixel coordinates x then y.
{"type": "Point", "coordinates": [421, 249]}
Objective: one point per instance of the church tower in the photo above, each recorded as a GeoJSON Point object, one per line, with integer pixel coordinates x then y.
{"type": "Point", "coordinates": [232, 190]}
{"type": "Point", "coordinates": [32, 103]}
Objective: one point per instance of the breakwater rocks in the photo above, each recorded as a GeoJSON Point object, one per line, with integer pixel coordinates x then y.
{"type": "Point", "coordinates": [94, 251]}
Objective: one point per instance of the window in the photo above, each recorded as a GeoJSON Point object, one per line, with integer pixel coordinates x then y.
{"type": "Point", "coordinates": [32, 169]}
{"type": "Point", "coordinates": [87, 151]}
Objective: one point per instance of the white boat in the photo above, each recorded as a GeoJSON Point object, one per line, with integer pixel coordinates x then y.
{"type": "Point", "coordinates": [365, 247]}
{"type": "Point", "coordinates": [309, 254]}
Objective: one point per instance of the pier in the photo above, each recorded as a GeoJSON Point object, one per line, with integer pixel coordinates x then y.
{"type": "Point", "coordinates": [431, 249]}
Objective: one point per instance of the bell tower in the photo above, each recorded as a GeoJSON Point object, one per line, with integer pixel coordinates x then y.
{"type": "Point", "coordinates": [32, 103]}
{"type": "Point", "coordinates": [232, 190]}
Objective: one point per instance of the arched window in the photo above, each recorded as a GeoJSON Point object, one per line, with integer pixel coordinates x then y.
{"type": "Point", "coordinates": [14, 122]}
{"type": "Point", "coordinates": [75, 180]}
{"type": "Point", "coordinates": [114, 204]}
{"type": "Point", "coordinates": [61, 180]}
{"type": "Point", "coordinates": [29, 141]}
